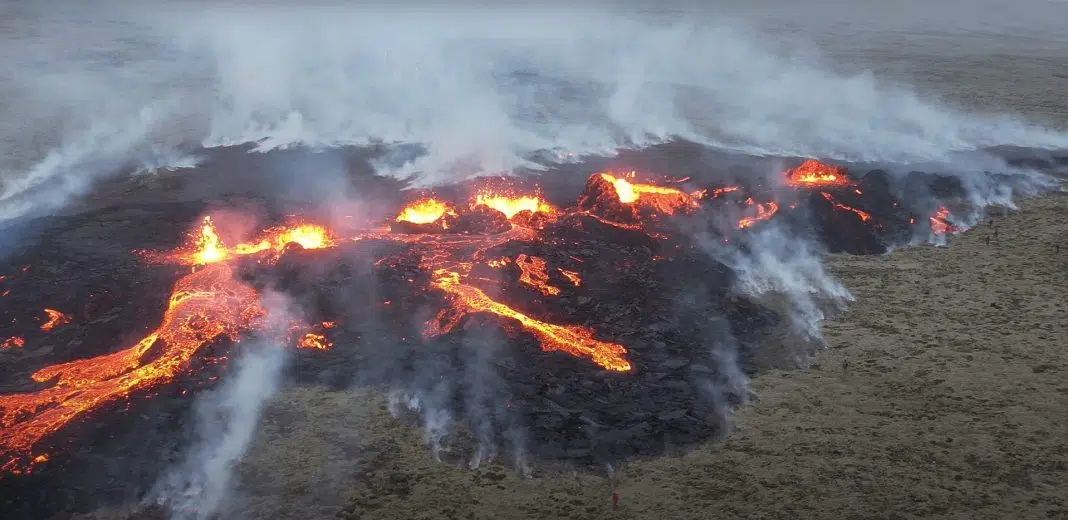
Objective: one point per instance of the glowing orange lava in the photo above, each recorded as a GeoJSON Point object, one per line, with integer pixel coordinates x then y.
{"type": "Point", "coordinates": [663, 199]}
{"type": "Point", "coordinates": [314, 341]}
{"type": "Point", "coordinates": [718, 192]}
{"type": "Point", "coordinates": [425, 211]}
{"type": "Point", "coordinates": [208, 248]}
{"type": "Point", "coordinates": [572, 339]}
{"type": "Point", "coordinates": [764, 212]}
{"type": "Point", "coordinates": [532, 273]}
{"type": "Point", "coordinates": [308, 236]}
{"type": "Point", "coordinates": [864, 216]}
{"type": "Point", "coordinates": [572, 276]}
{"type": "Point", "coordinates": [13, 342]}
{"type": "Point", "coordinates": [450, 259]}
{"type": "Point", "coordinates": [510, 206]}
{"type": "Point", "coordinates": [55, 319]}
{"type": "Point", "coordinates": [940, 222]}
{"type": "Point", "coordinates": [203, 306]}
{"type": "Point", "coordinates": [814, 174]}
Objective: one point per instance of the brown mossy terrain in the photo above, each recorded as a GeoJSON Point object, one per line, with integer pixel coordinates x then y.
{"type": "Point", "coordinates": [942, 395]}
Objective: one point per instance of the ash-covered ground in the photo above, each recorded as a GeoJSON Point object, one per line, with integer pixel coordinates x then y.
{"type": "Point", "coordinates": [676, 291]}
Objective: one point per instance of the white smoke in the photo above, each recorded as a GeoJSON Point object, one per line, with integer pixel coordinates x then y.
{"type": "Point", "coordinates": [480, 88]}
{"type": "Point", "coordinates": [491, 423]}
{"type": "Point", "coordinates": [774, 263]}
{"type": "Point", "coordinates": [199, 486]}
{"type": "Point", "coordinates": [226, 423]}
{"type": "Point", "coordinates": [434, 413]}
{"type": "Point", "coordinates": [106, 145]}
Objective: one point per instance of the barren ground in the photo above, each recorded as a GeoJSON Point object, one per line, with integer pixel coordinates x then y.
{"type": "Point", "coordinates": [942, 395]}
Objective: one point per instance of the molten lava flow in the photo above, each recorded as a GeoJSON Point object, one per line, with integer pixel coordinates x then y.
{"type": "Point", "coordinates": [55, 319]}
{"type": "Point", "coordinates": [510, 206]}
{"type": "Point", "coordinates": [425, 211]}
{"type": "Point", "coordinates": [572, 276]}
{"type": "Point", "coordinates": [500, 262]}
{"type": "Point", "coordinates": [13, 342]}
{"type": "Point", "coordinates": [940, 222]}
{"type": "Point", "coordinates": [662, 199]}
{"type": "Point", "coordinates": [814, 174]}
{"type": "Point", "coordinates": [764, 212]}
{"type": "Point", "coordinates": [203, 306]}
{"type": "Point", "coordinates": [864, 216]}
{"type": "Point", "coordinates": [314, 341]}
{"type": "Point", "coordinates": [532, 273]}
{"type": "Point", "coordinates": [574, 340]}
{"type": "Point", "coordinates": [718, 192]}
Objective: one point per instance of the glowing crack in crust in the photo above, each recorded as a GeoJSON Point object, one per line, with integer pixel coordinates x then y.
{"type": "Point", "coordinates": [55, 319]}
{"type": "Point", "coordinates": [864, 216]}
{"type": "Point", "coordinates": [763, 212]}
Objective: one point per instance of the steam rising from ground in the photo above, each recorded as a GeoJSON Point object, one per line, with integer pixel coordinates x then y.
{"type": "Point", "coordinates": [226, 422]}
{"type": "Point", "coordinates": [478, 88]}
{"type": "Point", "coordinates": [777, 264]}
{"type": "Point", "coordinates": [492, 424]}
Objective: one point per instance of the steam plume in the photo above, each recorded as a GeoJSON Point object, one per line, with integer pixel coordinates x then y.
{"type": "Point", "coordinates": [479, 89]}
{"type": "Point", "coordinates": [226, 420]}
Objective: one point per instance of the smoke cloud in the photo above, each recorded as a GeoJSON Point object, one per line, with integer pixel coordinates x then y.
{"type": "Point", "coordinates": [480, 89]}
{"type": "Point", "coordinates": [774, 263]}
{"type": "Point", "coordinates": [226, 421]}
